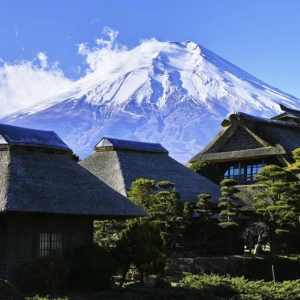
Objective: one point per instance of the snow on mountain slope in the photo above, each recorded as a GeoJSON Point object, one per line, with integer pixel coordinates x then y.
{"type": "Point", "coordinates": [167, 92]}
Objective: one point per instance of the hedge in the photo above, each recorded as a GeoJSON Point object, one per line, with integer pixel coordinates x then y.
{"type": "Point", "coordinates": [252, 268]}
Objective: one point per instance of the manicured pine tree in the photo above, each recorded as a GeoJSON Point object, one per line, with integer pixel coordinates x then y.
{"type": "Point", "coordinates": [229, 206]}
{"type": "Point", "coordinates": [205, 218]}
{"type": "Point", "coordinates": [164, 208]}
{"type": "Point", "coordinates": [276, 200]}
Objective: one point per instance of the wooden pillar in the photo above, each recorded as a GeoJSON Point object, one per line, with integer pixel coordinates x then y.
{"type": "Point", "coordinates": [239, 177]}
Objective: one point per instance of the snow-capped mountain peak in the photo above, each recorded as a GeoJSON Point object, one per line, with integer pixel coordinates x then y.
{"type": "Point", "coordinates": [167, 92]}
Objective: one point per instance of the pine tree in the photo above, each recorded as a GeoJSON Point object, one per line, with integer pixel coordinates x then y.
{"type": "Point", "coordinates": [140, 245]}
{"type": "Point", "coordinates": [276, 201]}
{"type": "Point", "coordinates": [205, 218]}
{"type": "Point", "coordinates": [230, 211]}
{"type": "Point", "coordinates": [164, 208]}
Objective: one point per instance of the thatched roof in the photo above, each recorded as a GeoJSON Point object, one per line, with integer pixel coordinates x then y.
{"type": "Point", "coordinates": [265, 138]}
{"type": "Point", "coordinates": [111, 144]}
{"type": "Point", "coordinates": [289, 114]}
{"type": "Point", "coordinates": [13, 135]}
{"type": "Point", "coordinates": [43, 180]}
{"type": "Point", "coordinates": [119, 167]}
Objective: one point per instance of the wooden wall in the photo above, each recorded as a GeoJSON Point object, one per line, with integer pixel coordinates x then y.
{"type": "Point", "coordinates": [19, 235]}
{"type": "Point", "coordinates": [3, 235]}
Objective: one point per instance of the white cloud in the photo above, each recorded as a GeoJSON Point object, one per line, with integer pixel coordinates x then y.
{"type": "Point", "coordinates": [108, 55]}
{"type": "Point", "coordinates": [24, 83]}
{"type": "Point", "coordinates": [43, 59]}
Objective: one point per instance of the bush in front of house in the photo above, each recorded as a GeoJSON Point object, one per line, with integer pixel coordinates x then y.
{"type": "Point", "coordinates": [139, 293]}
{"type": "Point", "coordinates": [46, 274]}
{"type": "Point", "coordinates": [92, 268]}
{"type": "Point", "coordinates": [7, 291]}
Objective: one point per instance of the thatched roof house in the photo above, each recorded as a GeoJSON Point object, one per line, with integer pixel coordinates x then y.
{"type": "Point", "coordinates": [48, 201]}
{"type": "Point", "coordinates": [247, 143]}
{"type": "Point", "coordinates": [119, 162]}
{"type": "Point", "coordinates": [38, 175]}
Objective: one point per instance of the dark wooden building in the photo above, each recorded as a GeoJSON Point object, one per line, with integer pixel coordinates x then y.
{"type": "Point", "coordinates": [247, 143]}
{"type": "Point", "coordinates": [48, 201]}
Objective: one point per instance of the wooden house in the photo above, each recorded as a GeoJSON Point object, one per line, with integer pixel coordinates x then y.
{"type": "Point", "coordinates": [120, 162]}
{"type": "Point", "coordinates": [247, 143]}
{"type": "Point", "coordinates": [48, 201]}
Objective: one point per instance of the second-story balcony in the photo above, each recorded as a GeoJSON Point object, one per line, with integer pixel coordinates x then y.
{"type": "Point", "coordinates": [243, 172]}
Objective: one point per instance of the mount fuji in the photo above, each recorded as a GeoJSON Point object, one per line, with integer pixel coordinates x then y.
{"type": "Point", "coordinates": [171, 93]}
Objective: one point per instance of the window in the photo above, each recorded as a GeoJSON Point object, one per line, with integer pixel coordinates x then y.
{"type": "Point", "coordinates": [252, 171]}
{"type": "Point", "coordinates": [50, 244]}
{"type": "Point", "coordinates": [243, 172]}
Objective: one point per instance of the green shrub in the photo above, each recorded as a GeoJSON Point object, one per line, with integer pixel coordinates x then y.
{"type": "Point", "coordinates": [219, 285]}
{"type": "Point", "coordinates": [252, 268]}
{"type": "Point", "coordinates": [92, 268]}
{"type": "Point", "coordinates": [7, 291]}
{"type": "Point", "coordinates": [46, 274]}
{"type": "Point", "coordinates": [241, 288]}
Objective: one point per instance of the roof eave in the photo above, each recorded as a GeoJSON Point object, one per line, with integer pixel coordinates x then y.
{"type": "Point", "coordinates": [244, 154]}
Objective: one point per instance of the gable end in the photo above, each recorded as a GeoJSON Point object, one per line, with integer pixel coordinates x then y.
{"type": "Point", "coordinates": [241, 140]}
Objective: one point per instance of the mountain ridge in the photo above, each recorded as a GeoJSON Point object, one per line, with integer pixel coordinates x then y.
{"type": "Point", "coordinates": [167, 92]}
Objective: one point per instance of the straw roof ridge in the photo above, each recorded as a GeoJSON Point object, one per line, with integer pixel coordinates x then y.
{"type": "Point", "coordinates": [112, 143]}
{"type": "Point", "coordinates": [14, 135]}
{"type": "Point", "coordinates": [229, 119]}
{"type": "Point", "coordinates": [273, 138]}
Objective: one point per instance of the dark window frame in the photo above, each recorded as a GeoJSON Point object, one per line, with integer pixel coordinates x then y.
{"type": "Point", "coordinates": [50, 244]}
{"type": "Point", "coordinates": [243, 172]}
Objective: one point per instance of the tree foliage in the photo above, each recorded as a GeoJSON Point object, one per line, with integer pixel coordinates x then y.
{"type": "Point", "coordinates": [204, 219]}
{"type": "Point", "coordinates": [75, 157]}
{"type": "Point", "coordinates": [206, 169]}
{"type": "Point", "coordinates": [228, 203]}
{"type": "Point", "coordinates": [140, 245]}
{"type": "Point", "coordinates": [276, 201]}
{"type": "Point", "coordinates": [162, 203]}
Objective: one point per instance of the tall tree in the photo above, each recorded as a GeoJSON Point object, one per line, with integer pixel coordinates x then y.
{"type": "Point", "coordinates": [229, 206]}
{"type": "Point", "coordinates": [275, 201]}
{"type": "Point", "coordinates": [140, 245]}
{"type": "Point", "coordinates": [164, 208]}
{"type": "Point", "coordinates": [204, 219]}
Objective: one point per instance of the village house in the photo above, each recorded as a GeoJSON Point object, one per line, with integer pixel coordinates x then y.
{"type": "Point", "coordinates": [120, 162]}
{"type": "Point", "coordinates": [48, 201]}
{"type": "Point", "coordinates": [247, 143]}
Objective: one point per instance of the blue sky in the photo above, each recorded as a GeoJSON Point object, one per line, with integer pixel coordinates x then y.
{"type": "Point", "coordinates": [261, 37]}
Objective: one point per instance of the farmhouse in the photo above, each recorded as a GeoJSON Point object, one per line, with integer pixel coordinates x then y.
{"type": "Point", "coordinates": [47, 201]}
{"type": "Point", "coordinates": [120, 162]}
{"type": "Point", "coordinates": [247, 143]}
